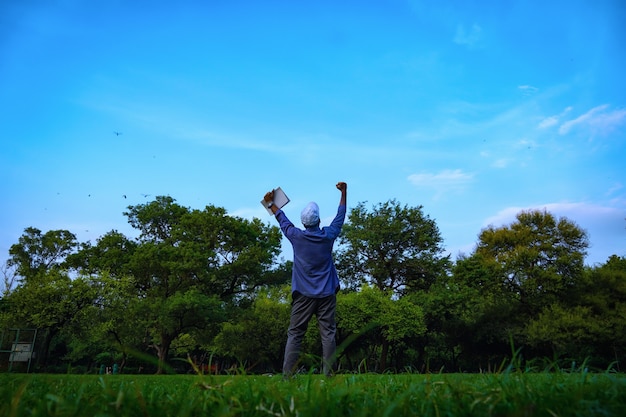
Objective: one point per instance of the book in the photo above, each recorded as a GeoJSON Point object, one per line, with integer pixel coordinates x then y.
{"type": "Point", "coordinates": [280, 200]}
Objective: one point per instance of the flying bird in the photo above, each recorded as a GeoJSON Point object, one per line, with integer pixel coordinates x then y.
{"type": "Point", "coordinates": [117, 133]}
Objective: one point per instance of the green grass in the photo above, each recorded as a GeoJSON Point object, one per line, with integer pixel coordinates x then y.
{"type": "Point", "coordinates": [504, 394]}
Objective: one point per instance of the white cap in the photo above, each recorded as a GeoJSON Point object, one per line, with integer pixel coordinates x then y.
{"type": "Point", "coordinates": [310, 215]}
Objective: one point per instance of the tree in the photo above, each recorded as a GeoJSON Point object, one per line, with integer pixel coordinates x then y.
{"type": "Point", "coordinates": [111, 324]}
{"type": "Point", "coordinates": [540, 257]}
{"type": "Point", "coordinates": [571, 333]}
{"type": "Point", "coordinates": [37, 253]}
{"type": "Point", "coordinates": [476, 312]}
{"type": "Point", "coordinates": [384, 322]}
{"type": "Point", "coordinates": [256, 336]}
{"type": "Point", "coordinates": [184, 255]}
{"type": "Point", "coordinates": [111, 255]}
{"type": "Point", "coordinates": [165, 319]}
{"type": "Point", "coordinates": [51, 303]}
{"type": "Point", "coordinates": [591, 324]}
{"type": "Point", "coordinates": [224, 255]}
{"type": "Point", "coordinates": [395, 248]}
{"type": "Point", "coordinates": [241, 253]}
{"type": "Point", "coordinates": [45, 298]}
{"type": "Point", "coordinates": [9, 279]}
{"type": "Point", "coordinates": [521, 270]}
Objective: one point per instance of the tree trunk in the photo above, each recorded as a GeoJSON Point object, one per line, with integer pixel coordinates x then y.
{"type": "Point", "coordinates": [162, 350]}
{"type": "Point", "coordinates": [383, 355]}
{"type": "Point", "coordinates": [50, 333]}
{"type": "Point", "coordinates": [122, 349]}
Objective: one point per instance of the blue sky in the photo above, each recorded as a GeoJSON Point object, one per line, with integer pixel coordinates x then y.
{"type": "Point", "coordinates": [474, 109]}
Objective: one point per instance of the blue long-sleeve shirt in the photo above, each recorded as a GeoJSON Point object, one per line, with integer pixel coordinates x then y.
{"type": "Point", "coordinates": [314, 273]}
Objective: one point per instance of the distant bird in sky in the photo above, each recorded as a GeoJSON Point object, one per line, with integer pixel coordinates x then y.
{"type": "Point", "coordinates": [117, 133]}
{"type": "Point", "coordinates": [124, 195]}
{"type": "Point", "coordinates": [146, 195]}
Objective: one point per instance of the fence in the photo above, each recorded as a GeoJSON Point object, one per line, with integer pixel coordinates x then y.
{"type": "Point", "coordinates": [17, 349]}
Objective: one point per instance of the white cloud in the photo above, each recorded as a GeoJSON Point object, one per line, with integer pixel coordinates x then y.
{"type": "Point", "coordinates": [553, 120]}
{"type": "Point", "coordinates": [548, 122]}
{"type": "Point", "coordinates": [444, 178]}
{"type": "Point", "coordinates": [470, 38]}
{"type": "Point", "coordinates": [501, 163]}
{"type": "Point", "coordinates": [598, 119]}
{"type": "Point", "coordinates": [616, 187]}
{"type": "Point", "coordinates": [526, 143]}
{"type": "Point", "coordinates": [569, 210]}
{"type": "Point", "coordinates": [582, 119]}
{"type": "Point", "coordinates": [527, 90]}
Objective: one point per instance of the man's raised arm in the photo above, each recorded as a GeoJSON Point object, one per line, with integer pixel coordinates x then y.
{"type": "Point", "coordinates": [343, 187]}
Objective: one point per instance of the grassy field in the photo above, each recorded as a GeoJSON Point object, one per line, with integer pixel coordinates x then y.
{"type": "Point", "coordinates": [505, 394]}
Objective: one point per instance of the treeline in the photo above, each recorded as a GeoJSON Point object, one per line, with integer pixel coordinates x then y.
{"type": "Point", "coordinates": [200, 289]}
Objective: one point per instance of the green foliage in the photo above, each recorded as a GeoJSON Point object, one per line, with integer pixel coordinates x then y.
{"type": "Point", "coordinates": [395, 318]}
{"type": "Point", "coordinates": [476, 311]}
{"type": "Point", "coordinates": [103, 326]}
{"type": "Point", "coordinates": [591, 323]}
{"type": "Point", "coordinates": [395, 248]}
{"type": "Point", "coordinates": [378, 320]}
{"type": "Point", "coordinates": [256, 337]}
{"type": "Point", "coordinates": [111, 255]}
{"type": "Point", "coordinates": [52, 301]}
{"type": "Point", "coordinates": [201, 282]}
{"type": "Point", "coordinates": [175, 280]}
{"type": "Point", "coordinates": [187, 257]}
{"type": "Point", "coordinates": [35, 253]}
{"type": "Point", "coordinates": [9, 281]}
{"type": "Point", "coordinates": [567, 330]}
{"type": "Point", "coordinates": [217, 253]}
{"type": "Point", "coordinates": [528, 265]}
{"type": "Point", "coordinates": [540, 257]}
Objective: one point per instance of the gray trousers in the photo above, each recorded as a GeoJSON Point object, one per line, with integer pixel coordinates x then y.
{"type": "Point", "coordinates": [302, 309]}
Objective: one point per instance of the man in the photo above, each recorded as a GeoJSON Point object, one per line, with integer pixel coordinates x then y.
{"type": "Point", "coordinates": [314, 281]}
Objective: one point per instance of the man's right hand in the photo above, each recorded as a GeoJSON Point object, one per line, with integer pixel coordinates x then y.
{"type": "Point", "coordinates": [343, 187]}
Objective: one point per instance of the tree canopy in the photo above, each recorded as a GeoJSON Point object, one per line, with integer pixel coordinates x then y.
{"type": "Point", "coordinates": [209, 285]}
{"type": "Point", "coordinates": [393, 247]}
